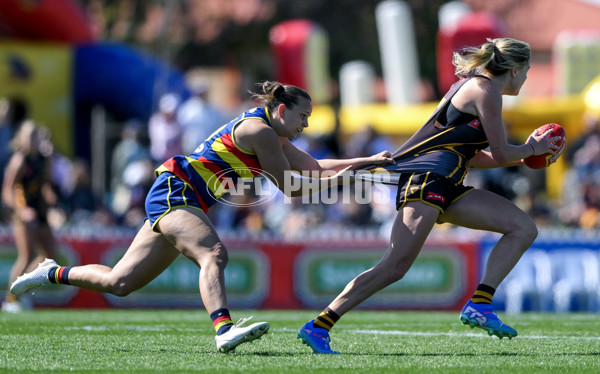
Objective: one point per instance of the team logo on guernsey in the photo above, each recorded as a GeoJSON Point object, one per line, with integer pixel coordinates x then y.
{"type": "Point", "coordinates": [235, 192]}
{"type": "Point", "coordinates": [199, 149]}
{"type": "Point", "coordinates": [435, 196]}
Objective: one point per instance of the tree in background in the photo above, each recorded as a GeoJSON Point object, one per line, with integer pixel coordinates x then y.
{"type": "Point", "coordinates": [235, 33]}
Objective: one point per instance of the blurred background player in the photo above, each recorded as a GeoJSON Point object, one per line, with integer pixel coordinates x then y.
{"type": "Point", "coordinates": [433, 164]}
{"type": "Point", "coordinates": [27, 190]}
{"type": "Point", "coordinates": [176, 206]}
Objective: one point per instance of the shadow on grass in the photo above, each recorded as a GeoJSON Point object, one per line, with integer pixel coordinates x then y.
{"type": "Point", "coordinates": [402, 354]}
{"type": "Point", "coordinates": [342, 354]}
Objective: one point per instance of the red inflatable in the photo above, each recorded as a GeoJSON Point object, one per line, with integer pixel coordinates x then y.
{"type": "Point", "coordinates": [472, 30]}
{"type": "Point", "coordinates": [49, 20]}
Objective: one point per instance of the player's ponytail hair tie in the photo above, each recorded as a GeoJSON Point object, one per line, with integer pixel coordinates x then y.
{"type": "Point", "coordinates": [275, 93]}
{"type": "Point", "coordinates": [273, 90]}
{"type": "Point", "coordinates": [279, 90]}
{"type": "Point", "coordinates": [490, 43]}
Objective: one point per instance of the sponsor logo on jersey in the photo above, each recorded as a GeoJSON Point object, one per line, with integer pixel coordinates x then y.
{"type": "Point", "coordinates": [435, 196]}
{"type": "Point", "coordinates": [476, 123]}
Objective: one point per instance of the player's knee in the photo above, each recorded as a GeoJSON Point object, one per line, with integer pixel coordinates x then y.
{"type": "Point", "coordinates": [530, 229]}
{"type": "Point", "coordinates": [217, 256]}
{"type": "Point", "coordinates": [222, 257]}
{"type": "Point", "coordinates": [121, 288]}
{"type": "Point", "coordinates": [525, 229]}
{"type": "Point", "coordinates": [122, 291]}
{"type": "Point", "coordinates": [392, 272]}
{"type": "Point", "coordinates": [395, 275]}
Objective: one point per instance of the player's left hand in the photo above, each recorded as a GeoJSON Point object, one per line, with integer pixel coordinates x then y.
{"type": "Point", "coordinates": [557, 154]}
{"type": "Point", "coordinates": [545, 144]}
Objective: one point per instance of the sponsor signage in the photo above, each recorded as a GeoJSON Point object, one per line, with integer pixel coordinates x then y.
{"type": "Point", "coordinates": [246, 282]}
{"type": "Point", "coordinates": [266, 272]}
{"type": "Point", "coordinates": [436, 279]}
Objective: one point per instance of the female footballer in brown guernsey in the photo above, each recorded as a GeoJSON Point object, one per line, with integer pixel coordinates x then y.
{"type": "Point", "coordinates": [432, 165]}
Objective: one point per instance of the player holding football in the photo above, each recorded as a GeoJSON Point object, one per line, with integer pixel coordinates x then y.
{"type": "Point", "coordinates": [257, 141]}
{"type": "Point", "coordinates": [433, 164]}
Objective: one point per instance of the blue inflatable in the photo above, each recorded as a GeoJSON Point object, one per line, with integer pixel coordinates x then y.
{"type": "Point", "coordinates": [126, 82]}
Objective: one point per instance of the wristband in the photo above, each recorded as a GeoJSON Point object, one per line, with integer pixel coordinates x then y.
{"type": "Point", "coordinates": [532, 148]}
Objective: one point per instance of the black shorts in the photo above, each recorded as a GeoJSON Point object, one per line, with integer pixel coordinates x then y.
{"type": "Point", "coordinates": [429, 188]}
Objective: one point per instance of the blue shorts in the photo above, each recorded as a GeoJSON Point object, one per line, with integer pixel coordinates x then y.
{"type": "Point", "coordinates": [167, 193]}
{"type": "Point", "coordinates": [429, 188]}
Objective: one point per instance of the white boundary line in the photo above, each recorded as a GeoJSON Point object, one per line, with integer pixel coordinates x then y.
{"type": "Point", "coordinates": [469, 334]}
{"type": "Point", "coordinates": [483, 334]}
{"type": "Point", "coordinates": [359, 331]}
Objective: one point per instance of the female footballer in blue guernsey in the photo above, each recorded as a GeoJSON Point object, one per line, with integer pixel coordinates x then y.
{"type": "Point", "coordinates": [432, 165]}
{"type": "Point", "coordinates": [186, 186]}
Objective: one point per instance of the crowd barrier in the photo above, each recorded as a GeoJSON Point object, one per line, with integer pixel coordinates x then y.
{"type": "Point", "coordinates": [559, 274]}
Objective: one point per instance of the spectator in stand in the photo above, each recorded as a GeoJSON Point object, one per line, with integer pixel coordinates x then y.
{"type": "Point", "coordinates": [138, 178]}
{"type": "Point", "coordinates": [591, 127]}
{"type": "Point", "coordinates": [129, 167]}
{"type": "Point", "coordinates": [81, 202]}
{"type": "Point", "coordinates": [365, 141]}
{"type": "Point", "coordinates": [363, 215]}
{"type": "Point", "coordinates": [128, 150]}
{"type": "Point", "coordinates": [581, 199]}
{"type": "Point", "coordinates": [198, 118]}
{"type": "Point", "coordinates": [27, 190]}
{"type": "Point", "coordinates": [164, 131]}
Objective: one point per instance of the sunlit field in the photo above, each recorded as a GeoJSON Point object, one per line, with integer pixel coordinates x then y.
{"type": "Point", "coordinates": [177, 341]}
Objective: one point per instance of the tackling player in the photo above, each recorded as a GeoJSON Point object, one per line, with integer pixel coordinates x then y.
{"type": "Point", "coordinates": [256, 141]}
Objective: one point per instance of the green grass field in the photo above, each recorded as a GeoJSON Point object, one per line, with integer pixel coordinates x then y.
{"type": "Point", "coordinates": [179, 341]}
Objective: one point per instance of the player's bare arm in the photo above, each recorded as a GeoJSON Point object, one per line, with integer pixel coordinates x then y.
{"type": "Point", "coordinates": [489, 110]}
{"type": "Point", "coordinates": [301, 160]}
{"type": "Point", "coordinates": [12, 176]}
{"type": "Point", "coordinates": [257, 137]}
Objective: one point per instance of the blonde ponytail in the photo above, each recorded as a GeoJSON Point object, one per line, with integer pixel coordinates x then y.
{"type": "Point", "coordinates": [497, 56]}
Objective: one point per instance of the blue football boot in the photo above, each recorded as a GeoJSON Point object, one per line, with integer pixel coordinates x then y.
{"type": "Point", "coordinates": [483, 316]}
{"type": "Point", "coordinates": [318, 339]}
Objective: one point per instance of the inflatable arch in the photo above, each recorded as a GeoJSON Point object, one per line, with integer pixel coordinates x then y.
{"type": "Point", "coordinates": [125, 81]}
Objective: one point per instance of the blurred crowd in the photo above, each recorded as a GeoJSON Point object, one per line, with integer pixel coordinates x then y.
{"type": "Point", "coordinates": [178, 127]}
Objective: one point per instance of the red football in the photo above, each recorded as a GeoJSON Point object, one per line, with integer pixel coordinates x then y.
{"type": "Point", "coordinates": [542, 161]}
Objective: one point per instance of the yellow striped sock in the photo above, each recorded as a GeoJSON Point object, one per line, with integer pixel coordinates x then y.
{"type": "Point", "coordinates": [326, 319]}
{"type": "Point", "coordinates": [482, 297]}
